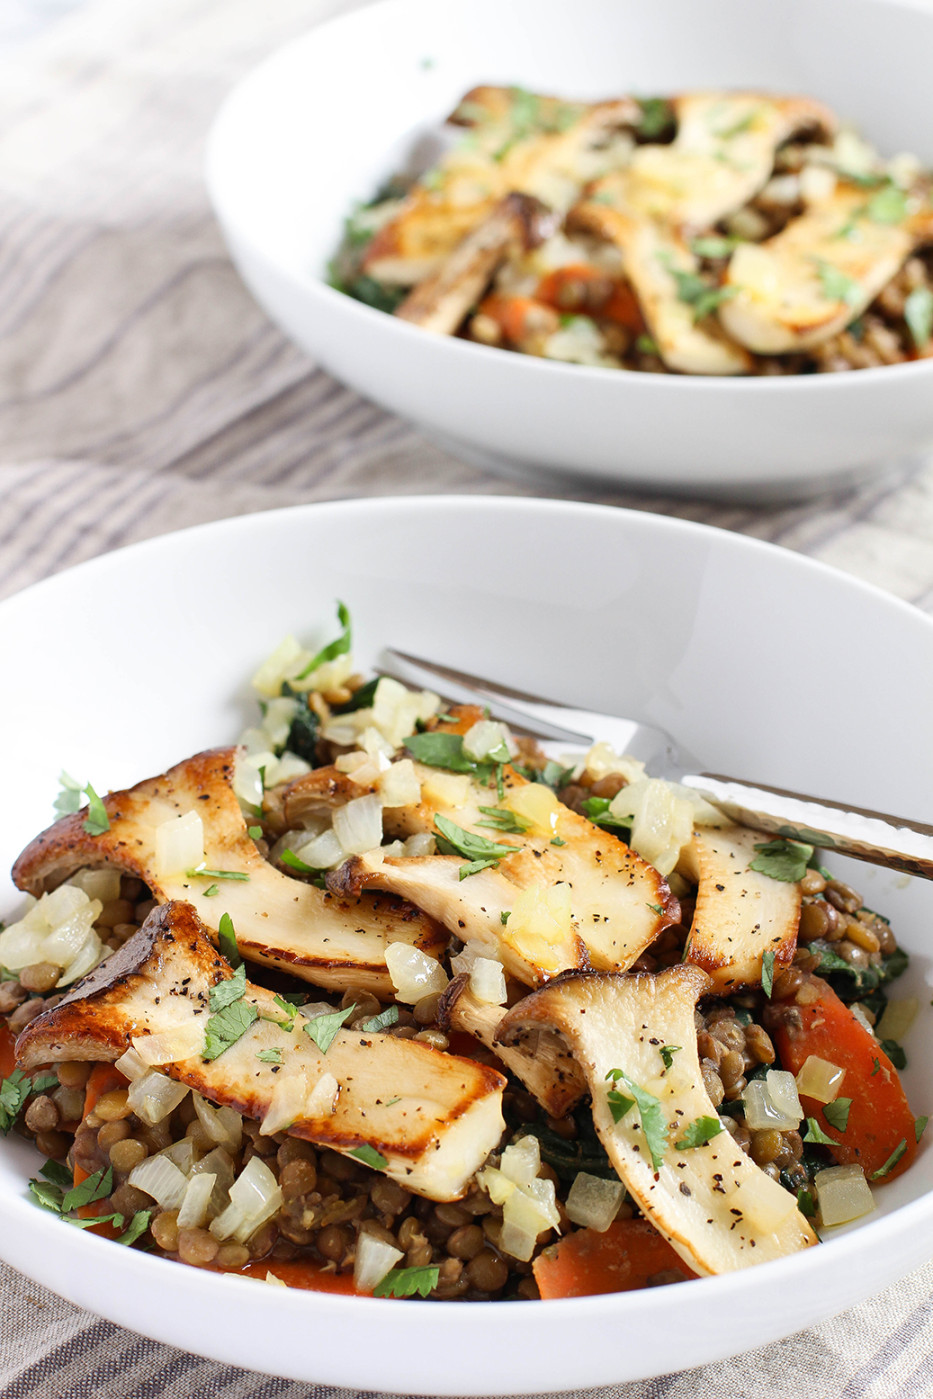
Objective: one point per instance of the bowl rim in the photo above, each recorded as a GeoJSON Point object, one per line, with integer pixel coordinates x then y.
{"type": "Point", "coordinates": [315, 284]}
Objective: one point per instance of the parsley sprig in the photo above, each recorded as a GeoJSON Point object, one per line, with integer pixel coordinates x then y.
{"type": "Point", "coordinates": [323, 1028]}
{"type": "Point", "coordinates": [57, 1194]}
{"type": "Point", "coordinates": [333, 649]}
{"type": "Point", "coordinates": [785, 860]}
{"type": "Point", "coordinates": [14, 1092]}
{"type": "Point", "coordinates": [477, 850]}
{"type": "Point", "coordinates": [69, 801]}
{"type": "Point", "coordinates": [649, 1109]}
{"type": "Point", "coordinates": [232, 1015]}
{"type": "Point", "coordinates": [406, 1282]}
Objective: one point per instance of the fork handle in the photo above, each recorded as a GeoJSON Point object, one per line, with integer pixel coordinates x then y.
{"type": "Point", "coordinates": [868, 835]}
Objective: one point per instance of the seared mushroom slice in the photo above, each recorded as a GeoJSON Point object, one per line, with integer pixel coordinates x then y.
{"type": "Point", "coordinates": [280, 921]}
{"type": "Point", "coordinates": [540, 1059]}
{"type": "Point", "coordinates": [439, 303]}
{"type": "Point", "coordinates": [807, 283]}
{"type": "Point", "coordinates": [715, 1206]}
{"type": "Point", "coordinates": [740, 914]}
{"type": "Point", "coordinates": [432, 1117]}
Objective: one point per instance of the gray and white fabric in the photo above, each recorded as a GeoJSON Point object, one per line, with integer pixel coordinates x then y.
{"type": "Point", "coordinates": [141, 390]}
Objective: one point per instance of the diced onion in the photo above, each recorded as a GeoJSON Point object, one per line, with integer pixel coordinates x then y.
{"type": "Point", "coordinates": [219, 1164]}
{"type": "Point", "coordinates": [321, 852]}
{"type": "Point", "coordinates": [179, 844]}
{"type": "Point", "coordinates": [397, 710]}
{"type": "Point", "coordinates": [897, 1019]}
{"type": "Point", "coordinates": [525, 1216]}
{"type": "Point", "coordinates": [536, 804]}
{"type": "Point", "coordinates": [374, 1258]}
{"type": "Point", "coordinates": [277, 721]}
{"type": "Point", "coordinates": [286, 1104]}
{"type": "Point", "coordinates": [593, 1202]}
{"type": "Point", "coordinates": [399, 786]}
{"type": "Point", "coordinates": [820, 1079]}
{"type": "Point", "coordinates": [154, 1096]}
{"type": "Point", "coordinates": [273, 1280]}
{"type": "Point", "coordinates": [170, 1045]}
{"type": "Point", "coordinates": [445, 789]}
{"type": "Point", "coordinates": [521, 1161]}
{"type": "Point", "coordinates": [463, 960]}
{"type": "Point", "coordinates": [322, 1100]}
{"type": "Point", "coordinates": [57, 928]}
{"type": "Point", "coordinates": [764, 1202]}
{"type": "Point", "coordinates": [764, 1110]}
{"type": "Point", "coordinates": [288, 767]}
{"type": "Point", "coordinates": [222, 1124]}
{"type": "Point", "coordinates": [783, 1090]}
{"type": "Point", "coordinates": [487, 981]}
{"type": "Point", "coordinates": [861, 1017]}
{"type": "Point", "coordinates": [485, 737]}
{"type": "Point", "coordinates": [195, 1207]}
{"type": "Point", "coordinates": [131, 1066]}
{"type": "Point", "coordinates": [247, 782]}
{"type": "Point", "coordinates": [375, 744]}
{"type": "Point", "coordinates": [603, 761]}
{"type": "Point", "coordinates": [540, 925]}
{"type": "Point", "coordinates": [421, 843]}
{"type": "Point", "coordinates": [286, 660]}
{"type": "Point", "coordinates": [844, 1194]}
{"type": "Point", "coordinates": [98, 884]}
{"type": "Point", "coordinates": [662, 820]}
{"type": "Point", "coordinates": [414, 974]}
{"type": "Point", "coordinates": [160, 1178]}
{"type": "Point", "coordinates": [181, 1154]}
{"type": "Point", "coordinates": [255, 1196]}
{"type": "Point", "coordinates": [496, 1185]}
{"type": "Point", "coordinates": [85, 960]}
{"type": "Point", "coordinates": [358, 825]}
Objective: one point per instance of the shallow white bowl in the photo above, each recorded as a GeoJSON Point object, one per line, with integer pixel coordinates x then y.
{"type": "Point", "coordinates": [763, 663]}
{"type": "Point", "coordinates": [321, 124]}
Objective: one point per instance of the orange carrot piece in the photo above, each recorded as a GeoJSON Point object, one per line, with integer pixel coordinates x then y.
{"type": "Point", "coordinates": [620, 1260]}
{"type": "Point", "coordinates": [561, 289]}
{"type": "Point", "coordinates": [301, 1273]}
{"type": "Point", "coordinates": [879, 1118]}
{"type": "Point", "coordinates": [623, 308]}
{"type": "Point", "coordinates": [7, 1053]}
{"type": "Point", "coordinates": [519, 317]}
{"type": "Point", "coordinates": [104, 1078]}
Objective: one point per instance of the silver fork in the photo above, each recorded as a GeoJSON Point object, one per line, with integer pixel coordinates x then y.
{"type": "Point", "coordinates": [880, 839]}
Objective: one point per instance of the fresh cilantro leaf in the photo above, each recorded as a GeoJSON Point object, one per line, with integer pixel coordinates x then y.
{"type": "Point", "coordinates": [557, 841]}
{"type": "Point", "coordinates": [202, 872]}
{"type": "Point", "coordinates": [895, 1053]}
{"type": "Point", "coordinates": [837, 1113]}
{"type": "Point", "coordinates": [369, 1156]}
{"type": "Point", "coordinates": [58, 1174]}
{"type": "Point", "coordinates": [211, 891]}
{"type": "Point", "coordinates": [596, 809]}
{"type": "Point", "coordinates": [226, 938]}
{"type": "Point", "coordinates": [97, 820]}
{"type": "Point", "coordinates": [405, 1282]}
{"type": "Point", "coordinates": [323, 1028]}
{"type": "Point", "coordinates": [646, 345]}
{"type": "Point", "coordinates": [136, 1227]}
{"type": "Point", "coordinates": [715, 245]}
{"type": "Point", "coordinates": [382, 1021]}
{"type": "Point", "coordinates": [836, 284]}
{"type": "Point", "coordinates": [667, 1052]}
{"type": "Point", "coordinates": [501, 819]}
{"type": "Point", "coordinates": [290, 1009]}
{"type": "Point", "coordinates": [918, 313]}
{"type": "Point", "coordinates": [816, 1136]}
{"type": "Point", "coordinates": [553, 775]}
{"type": "Point", "coordinates": [655, 908]}
{"type": "Point", "coordinates": [657, 115]}
{"type": "Point", "coordinates": [785, 860]}
{"type": "Point", "coordinates": [767, 973]}
{"type": "Point", "coordinates": [270, 1056]}
{"type": "Point", "coordinates": [619, 1104]}
{"type": "Point", "coordinates": [694, 290]}
{"type": "Point", "coordinates": [480, 852]}
{"type": "Point", "coordinates": [876, 1069]}
{"type": "Point", "coordinates": [652, 1118]}
{"type": "Point", "coordinates": [294, 862]}
{"type": "Point", "coordinates": [806, 1203]}
{"type": "Point", "coordinates": [68, 800]}
{"type": "Point", "coordinates": [227, 1026]}
{"type": "Point", "coordinates": [333, 649]}
{"type": "Point", "coordinates": [96, 1187]}
{"type": "Point", "coordinates": [443, 750]}
{"type": "Point", "coordinates": [864, 179]}
{"type": "Point", "coordinates": [14, 1092]}
{"type": "Point", "coordinates": [698, 1133]}
{"type": "Point", "coordinates": [891, 1162]}
{"type": "Point", "coordinates": [226, 992]}
{"type": "Point", "coordinates": [889, 205]}
{"type": "Point", "coordinates": [920, 1127]}
{"type": "Point", "coordinates": [255, 832]}
{"type": "Point", "coordinates": [391, 1103]}
{"type": "Point", "coordinates": [47, 1195]}
{"type": "Point", "coordinates": [504, 916]}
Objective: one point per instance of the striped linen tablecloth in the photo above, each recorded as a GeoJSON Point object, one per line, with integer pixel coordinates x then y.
{"type": "Point", "coordinates": [141, 390]}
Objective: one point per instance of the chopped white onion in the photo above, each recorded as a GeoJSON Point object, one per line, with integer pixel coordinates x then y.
{"type": "Point", "coordinates": [602, 760]}
{"type": "Point", "coordinates": [376, 745]}
{"type": "Point", "coordinates": [170, 1045]}
{"type": "Point", "coordinates": [421, 843]}
{"type": "Point", "coordinates": [85, 960]}
{"type": "Point", "coordinates": [322, 1100]}
{"type": "Point", "coordinates": [57, 928]}
{"type": "Point", "coordinates": [487, 981]}
{"type": "Point", "coordinates": [286, 769]}
{"type": "Point", "coordinates": [662, 820]}
{"type": "Point", "coordinates": [277, 720]}
{"type": "Point", "coordinates": [393, 850]}
{"type": "Point", "coordinates": [399, 785]}
{"type": "Point", "coordinates": [181, 1154]}
{"type": "Point", "coordinates": [861, 1017]}
{"type": "Point", "coordinates": [593, 1202]}
{"type": "Point", "coordinates": [273, 1280]}
{"type": "Point", "coordinates": [527, 1213]}
{"type": "Point", "coordinates": [247, 782]}
{"type": "Point", "coordinates": [496, 1185]}
{"type": "Point", "coordinates": [820, 1079]}
{"type": "Point", "coordinates": [154, 1096]}
{"type": "Point", "coordinates": [219, 1164]}
{"type": "Point", "coordinates": [358, 825]}
{"type": "Point", "coordinates": [414, 974]}
{"type": "Point", "coordinates": [255, 1196]}
{"type": "Point", "coordinates": [463, 960]}
{"type": "Point", "coordinates": [538, 807]}
{"type": "Point", "coordinates": [179, 844]}
{"type": "Point", "coordinates": [288, 658]}
{"type": "Point", "coordinates": [485, 737]}
{"type": "Point", "coordinates": [397, 710]}
{"type": "Point", "coordinates": [897, 1019]}
{"type": "Point", "coordinates": [286, 1104]}
{"type": "Point", "coordinates": [131, 1066]}
{"type": "Point", "coordinates": [222, 1124]}
{"type": "Point", "coordinates": [445, 789]}
{"type": "Point", "coordinates": [374, 1258]}
{"type": "Point", "coordinates": [843, 1194]}
{"type": "Point", "coordinates": [540, 924]}
{"type": "Point", "coordinates": [98, 884]}
{"type": "Point", "coordinates": [321, 852]}
{"type": "Point", "coordinates": [159, 1177]}
{"type": "Point", "coordinates": [765, 1203]}
{"type": "Point", "coordinates": [195, 1207]}
{"type": "Point", "coordinates": [772, 1106]}
{"type": "Point", "coordinates": [521, 1161]}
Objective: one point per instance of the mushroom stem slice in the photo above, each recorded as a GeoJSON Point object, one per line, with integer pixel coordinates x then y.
{"type": "Point", "coordinates": [280, 921]}
{"type": "Point", "coordinates": [540, 1059]}
{"type": "Point", "coordinates": [741, 915]}
{"type": "Point", "coordinates": [715, 1206]}
{"type": "Point", "coordinates": [432, 1117]}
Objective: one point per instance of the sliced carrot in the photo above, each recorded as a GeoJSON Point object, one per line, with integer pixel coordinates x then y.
{"type": "Point", "coordinates": [104, 1078]}
{"type": "Point", "coordinates": [623, 308]}
{"type": "Point", "coordinates": [302, 1273]}
{"type": "Point", "coordinates": [620, 1260]}
{"type": "Point", "coordinates": [520, 318]}
{"type": "Point", "coordinates": [464, 716]}
{"type": "Point", "coordinates": [879, 1118]}
{"type": "Point", "coordinates": [7, 1053]}
{"type": "Point", "coordinates": [566, 290]}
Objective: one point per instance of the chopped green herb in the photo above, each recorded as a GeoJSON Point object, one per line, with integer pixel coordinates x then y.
{"type": "Point", "coordinates": [333, 649]}
{"type": "Point", "coordinates": [698, 1133]}
{"type": "Point", "coordinates": [226, 992]}
{"type": "Point", "coordinates": [202, 872]}
{"type": "Point", "coordinates": [619, 1104]}
{"type": "Point", "coordinates": [405, 1282]}
{"type": "Point", "coordinates": [226, 937]}
{"type": "Point", "coordinates": [294, 862]}
{"type": "Point", "coordinates": [652, 1118]}
{"type": "Point", "coordinates": [918, 313]}
{"type": "Point", "coordinates": [694, 290]}
{"type": "Point", "coordinates": [290, 1010]}
{"type": "Point", "coordinates": [767, 973]}
{"type": "Point", "coordinates": [443, 750]}
{"type": "Point", "coordinates": [448, 718]}
{"type": "Point", "coordinates": [785, 860]}
{"type": "Point", "coordinates": [816, 1136]}
{"type": "Point", "coordinates": [504, 916]}
{"type": "Point", "coordinates": [95, 1187]}
{"type": "Point", "coordinates": [323, 1028]}
{"type": "Point", "coordinates": [920, 1125]}
{"type": "Point", "coordinates": [657, 115]}
{"type": "Point", "coordinates": [668, 1051]}
{"type": "Point", "coordinates": [58, 1173]}
{"type": "Point", "coordinates": [227, 1026]}
{"type": "Point", "coordinates": [369, 1156]}
{"type": "Point", "coordinates": [864, 179]}
{"type": "Point", "coordinates": [255, 832]}
{"type": "Point", "coordinates": [480, 852]}
{"type": "Point", "coordinates": [553, 775]}
{"type": "Point", "coordinates": [716, 245]}
{"type": "Point", "coordinates": [97, 819]}
{"type": "Point", "coordinates": [806, 1203]}
{"type": "Point", "coordinates": [382, 1021]}
{"type": "Point", "coordinates": [391, 1103]}
{"type": "Point", "coordinates": [877, 1068]}
{"type": "Point", "coordinates": [895, 1053]}
{"type": "Point", "coordinates": [270, 1056]}
{"type": "Point", "coordinates": [360, 699]}
{"type": "Point", "coordinates": [889, 205]}
{"type": "Point", "coordinates": [837, 1113]}
{"type": "Point", "coordinates": [501, 819]}
{"type": "Point", "coordinates": [655, 908]}
{"type": "Point", "coordinates": [136, 1227]}
{"type": "Point", "coordinates": [836, 284]}
{"type": "Point", "coordinates": [596, 809]}
{"type": "Point", "coordinates": [739, 126]}
{"type": "Point", "coordinates": [891, 1162]}
{"type": "Point", "coordinates": [14, 1092]}
{"type": "Point", "coordinates": [68, 800]}
{"type": "Point", "coordinates": [211, 891]}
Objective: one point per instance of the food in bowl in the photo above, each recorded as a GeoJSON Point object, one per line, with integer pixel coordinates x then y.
{"type": "Point", "coordinates": [380, 1000]}
{"type": "Point", "coordinates": [711, 233]}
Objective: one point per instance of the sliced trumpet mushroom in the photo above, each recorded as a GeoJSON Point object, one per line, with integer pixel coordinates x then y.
{"type": "Point", "coordinates": [440, 302]}
{"type": "Point", "coordinates": [500, 158]}
{"type": "Point", "coordinates": [660, 266]}
{"type": "Point", "coordinates": [719, 1211]}
{"type": "Point", "coordinates": [741, 915]}
{"type": "Point", "coordinates": [807, 283]}
{"type": "Point", "coordinates": [280, 921]}
{"type": "Point", "coordinates": [432, 1117]}
{"type": "Point", "coordinates": [539, 1059]}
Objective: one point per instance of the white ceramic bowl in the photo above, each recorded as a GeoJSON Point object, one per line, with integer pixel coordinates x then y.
{"type": "Point", "coordinates": [763, 663]}
{"type": "Point", "coordinates": [320, 125]}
